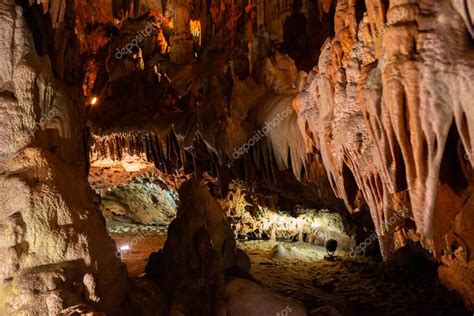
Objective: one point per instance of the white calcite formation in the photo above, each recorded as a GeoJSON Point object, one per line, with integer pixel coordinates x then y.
{"type": "Point", "coordinates": [390, 110]}
{"type": "Point", "coordinates": [386, 114]}
{"type": "Point", "coordinates": [386, 117]}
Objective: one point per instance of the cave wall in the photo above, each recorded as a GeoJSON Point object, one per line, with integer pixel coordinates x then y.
{"type": "Point", "coordinates": [389, 108]}
{"type": "Point", "coordinates": [144, 200]}
{"type": "Point", "coordinates": [56, 254]}
{"type": "Point", "coordinates": [253, 215]}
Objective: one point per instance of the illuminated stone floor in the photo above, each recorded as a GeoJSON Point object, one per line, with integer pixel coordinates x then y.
{"type": "Point", "coordinates": [353, 286]}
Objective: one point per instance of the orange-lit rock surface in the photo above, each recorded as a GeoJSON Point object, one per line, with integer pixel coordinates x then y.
{"type": "Point", "coordinates": [390, 110]}
{"type": "Point", "coordinates": [384, 121]}
{"type": "Point", "coordinates": [385, 114]}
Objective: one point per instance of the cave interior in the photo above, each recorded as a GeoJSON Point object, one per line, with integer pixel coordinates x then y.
{"type": "Point", "coordinates": [236, 157]}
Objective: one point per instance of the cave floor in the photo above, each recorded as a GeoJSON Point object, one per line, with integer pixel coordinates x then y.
{"type": "Point", "coordinates": [354, 286]}
{"type": "Point", "coordinates": [140, 248]}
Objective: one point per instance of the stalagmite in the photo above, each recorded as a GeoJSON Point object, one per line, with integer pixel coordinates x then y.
{"type": "Point", "coordinates": [279, 109]}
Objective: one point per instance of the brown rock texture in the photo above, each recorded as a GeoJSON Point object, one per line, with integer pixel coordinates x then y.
{"type": "Point", "coordinates": [56, 254]}
{"type": "Point", "coordinates": [389, 108]}
{"type": "Point", "coordinates": [200, 247]}
{"type": "Point", "coordinates": [196, 277]}
{"type": "Point", "coordinates": [248, 298]}
{"type": "Point", "coordinates": [387, 115]}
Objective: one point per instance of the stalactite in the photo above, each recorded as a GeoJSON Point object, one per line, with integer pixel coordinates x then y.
{"type": "Point", "coordinates": [393, 127]}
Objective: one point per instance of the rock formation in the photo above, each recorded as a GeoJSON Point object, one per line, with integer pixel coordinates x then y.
{"type": "Point", "coordinates": [56, 254]}
{"type": "Point", "coordinates": [384, 121]}
{"type": "Point", "coordinates": [388, 108]}
{"type": "Point", "coordinates": [256, 216]}
{"type": "Point", "coordinates": [247, 298]}
{"type": "Point", "coordinates": [197, 210]}
{"type": "Point", "coordinates": [385, 114]}
{"type": "Point", "coordinates": [145, 200]}
{"type": "Point", "coordinates": [195, 262]}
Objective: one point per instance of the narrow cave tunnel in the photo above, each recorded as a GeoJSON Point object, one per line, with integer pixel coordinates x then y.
{"type": "Point", "coordinates": [244, 157]}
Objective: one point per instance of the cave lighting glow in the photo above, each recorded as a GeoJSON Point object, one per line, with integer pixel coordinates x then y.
{"type": "Point", "coordinates": [308, 224]}
{"type": "Point", "coordinates": [195, 27]}
{"type": "Point", "coordinates": [125, 248]}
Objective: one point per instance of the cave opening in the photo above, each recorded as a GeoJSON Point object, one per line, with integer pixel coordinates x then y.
{"type": "Point", "coordinates": [215, 157]}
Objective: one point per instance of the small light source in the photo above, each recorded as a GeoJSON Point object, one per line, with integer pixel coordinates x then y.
{"type": "Point", "coordinates": [94, 101]}
{"type": "Point", "coordinates": [125, 248]}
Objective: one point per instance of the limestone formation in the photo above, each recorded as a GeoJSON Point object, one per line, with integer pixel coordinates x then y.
{"type": "Point", "coordinates": [200, 248]}
{"type": "Point", "coordinates": [55, 251]}
{"type": "Point", "coordinates": [145, 200]}
{"type": "Point", "coordinates": [254, 216]}
{"type": "Point", "coordinates": [198, 255]}
{"type": "Point", "coordinates": [388, 108]}
{"type": "Point", "coordinates": [381, 118]}
{"type": "Point", "coordinates": [385, 114]}
{"type": "Point", "coordinates": [182, 43]}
